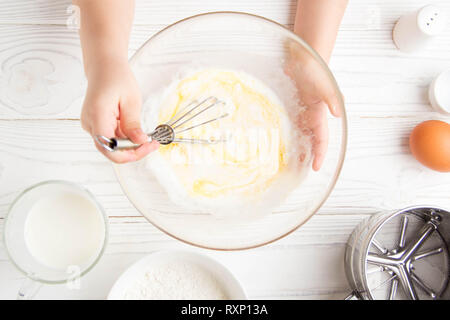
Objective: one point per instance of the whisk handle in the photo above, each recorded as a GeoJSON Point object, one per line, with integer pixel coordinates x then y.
{"type": "Point", "coordinates": [126, 144]}
{"type": "Point", "coordinates": [116, 144]}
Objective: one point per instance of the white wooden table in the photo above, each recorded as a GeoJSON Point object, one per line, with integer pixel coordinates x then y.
{"type": "Point", "coordinates": [41, 92]}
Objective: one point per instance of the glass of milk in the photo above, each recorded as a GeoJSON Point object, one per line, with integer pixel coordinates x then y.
{"type": "Point", "coordinates": [55, 232]}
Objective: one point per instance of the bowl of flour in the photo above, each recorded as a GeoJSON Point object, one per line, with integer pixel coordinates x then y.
{"type": "Point", "coordinates": [177, 275]}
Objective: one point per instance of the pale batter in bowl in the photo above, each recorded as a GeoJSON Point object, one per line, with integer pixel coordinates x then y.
{"type": "Point", "coordinates": [257, 165]}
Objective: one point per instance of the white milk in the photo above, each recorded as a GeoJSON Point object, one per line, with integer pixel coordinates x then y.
{"type": "Point", "coordinates": [64, 229]}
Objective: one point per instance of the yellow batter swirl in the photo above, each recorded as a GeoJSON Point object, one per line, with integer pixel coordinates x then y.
{"type": "Point", "coordinates": [256, 130]}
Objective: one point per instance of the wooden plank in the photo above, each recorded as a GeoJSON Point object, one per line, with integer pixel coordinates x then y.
{"type": "Point", "coordinates": [34, 12]}
{"type": "Point", "coordinates": [36, 58]}
{"type": "Point", "coordinates": [41, 73]}
{"type": "Point", "coordinates": [147, 12]}
{"type": "Point", "coordinates": [360, 15]}
{"type": "Point", "coordinates": [378, 173]}
{"type": "Point", "coordinates": [290, 263]}
{"type": "Point", "coordinates": [374, 76]}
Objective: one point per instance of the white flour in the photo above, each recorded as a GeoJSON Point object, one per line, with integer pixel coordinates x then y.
{"type": "Point", "coordinates": [177, 280]}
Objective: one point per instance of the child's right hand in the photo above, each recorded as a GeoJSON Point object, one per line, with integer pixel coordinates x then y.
{"type": "Point", "coordinates": [112, 108]}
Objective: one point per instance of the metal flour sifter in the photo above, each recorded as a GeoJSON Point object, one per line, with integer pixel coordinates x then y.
{"type": "Point", "coordinates": [400, 255]}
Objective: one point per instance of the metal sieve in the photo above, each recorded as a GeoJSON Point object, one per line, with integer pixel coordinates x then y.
{"type": "Point", "coordinates": [400, 255]}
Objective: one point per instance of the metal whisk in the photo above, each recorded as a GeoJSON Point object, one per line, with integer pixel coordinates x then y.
{"type": "Point", "coordinates": [167, 133]}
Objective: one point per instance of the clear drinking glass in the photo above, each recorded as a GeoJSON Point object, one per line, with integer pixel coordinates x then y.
{"type": "Point", "coordinates": [18, 251]}
{"type": "Point", "coordinates": [267, 51]}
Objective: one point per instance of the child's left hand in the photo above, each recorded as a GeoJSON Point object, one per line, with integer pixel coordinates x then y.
{"type": "Point", "coordinates": [317, 94]}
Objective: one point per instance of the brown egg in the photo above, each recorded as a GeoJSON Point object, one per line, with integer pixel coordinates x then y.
{"type": "Point", "coordinates": [430, 144]}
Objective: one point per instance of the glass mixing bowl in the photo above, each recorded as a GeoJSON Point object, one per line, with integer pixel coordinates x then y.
{"type": "Point", "coordinates": [268, 51]}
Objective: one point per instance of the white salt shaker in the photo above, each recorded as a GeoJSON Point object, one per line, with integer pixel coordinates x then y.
{"type": "Point", "coordinates": [414, 30]}
{"type": "Point", "coordinates": [439, 93]}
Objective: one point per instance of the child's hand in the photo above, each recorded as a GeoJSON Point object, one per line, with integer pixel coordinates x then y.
{"type": "Point", "coordinates": [316, 22]}
{"type": "Point", "coordinates": [112, 108]}
{"type": "Point", "coordinates": [317, 94]}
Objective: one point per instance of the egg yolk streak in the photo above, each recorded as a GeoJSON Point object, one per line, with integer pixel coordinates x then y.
{"type": "Point", "coordinates": [256, 133]}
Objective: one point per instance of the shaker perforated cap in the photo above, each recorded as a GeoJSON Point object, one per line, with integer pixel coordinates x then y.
{"type": "Point", "coordinates": [414, 30]}
{"type": "Point", "coordinates": [431, 20]}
